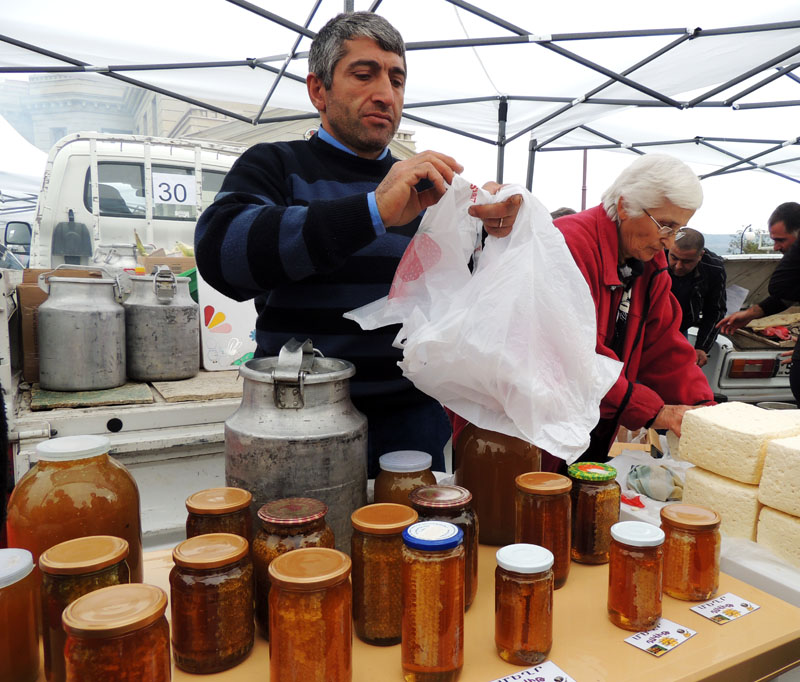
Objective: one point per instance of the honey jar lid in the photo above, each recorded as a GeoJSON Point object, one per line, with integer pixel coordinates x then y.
{"type": "Point", "coordinates": [433, 536]}
{"type": "Point", "coordinates": [384, 518]}
{"type": "Point", "coordinates": [293, 510]}
{"type": "Point", "coordinates": [115, 610]}
{"type": "Point", "coordinates": [592, 471]}
{"type": "Point", "coordinates": [83, 555]}
{"type": "Point", "coordinates": [309, 568]}
{"type": "Point", "coordinates": [211, 550]}
{"type": "Point", "coordinates": [15, 564]}
{"type": "Point", "coordinates": [405, 461]}
{"type": "Point", "coordinates": [637, 534]}
{"type": "Point", "coordinates": [218, 501]}
{"type": "Point", "coordinates": [440, 496]}
{"type": "Point", "coordinates": [67, 448]}
{"type": "Point", "coordinates": [690, 516]}
{"type": "Point", "coordinates": [524, 558]}
{"type": "Point", "coordinates": [543, 483]}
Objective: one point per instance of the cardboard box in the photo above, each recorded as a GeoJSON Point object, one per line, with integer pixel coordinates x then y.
{"type": "Point", "coordinates": [177, 264]}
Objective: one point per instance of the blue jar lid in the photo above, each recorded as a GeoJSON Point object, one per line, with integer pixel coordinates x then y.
{"type": "Point", "coordinates": [433, 536]}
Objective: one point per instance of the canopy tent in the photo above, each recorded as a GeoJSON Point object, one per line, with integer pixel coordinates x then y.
{"type": "Point", "coordinates": [21, 170]}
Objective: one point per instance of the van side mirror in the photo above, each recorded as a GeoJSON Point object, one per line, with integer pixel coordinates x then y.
{"type": "Point", "coordinates": [18, 233]}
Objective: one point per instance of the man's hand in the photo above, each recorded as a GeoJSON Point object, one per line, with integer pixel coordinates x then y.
{"type": "Point", "coordinates": [498, 219]}
{"type": "Point", "coordinates": [397, 198]}
{"type": "Point", "coordinates": [671, 417]}
{"type": "Point", "coordinates": [786, 357]}
{"type": "Point", "coordinates": [702, 357]}
{"type": "Point", "coordinates": [729, 324]}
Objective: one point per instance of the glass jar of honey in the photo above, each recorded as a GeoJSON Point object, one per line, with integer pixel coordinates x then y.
{"type": "Point", "coordinates": [69, 570]}
{"type": "Point", "coordinates": [310, 617]}
{"type": "Point", "coordinates": [432, 646]}
{"type": "Point", "coordinates": [544, 517]}
{"type": "Point", "coordinates": [118, 633]}
{"type": "Point", "coordinates": [453, 503]}
{"type": "Point", "coordinates": [691, 551]}
{"type": "Point", "coordinates": [595, 508]}
{"type": "Point", "coordinates": [486, 463]}
{"type": "Point", "coordinates": [220, 510]}
{"type": "Point", "coordinates": [377, 546]}
{"type": "Point", "coordinates": [19, 641]}
{"type": "Point", "coordinates": [211, 590]}
{"type": "Point", "coordinates": [74, 490]}
{"type": "Point", "coordinates": [523, 603]}
{"type": "Point", "coordinates": [401, 472]}
{"type": "Point", "coordinates": [635, 571]}
{"type": "Point", "coordinates": [287, 524]}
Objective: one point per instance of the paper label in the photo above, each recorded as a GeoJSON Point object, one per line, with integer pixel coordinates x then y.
{"type": "Point", "coordinates": [662, 638]}
{"type": "Point", "coordinates": [546, 672]}
{"type": "Point", "coordinates": [725, 608]}
{"type": "Point", "coordinates": [174, 188]}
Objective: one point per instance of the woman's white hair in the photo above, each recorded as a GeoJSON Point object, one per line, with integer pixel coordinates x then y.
{"type": "Point", "coordinates": [648, 181]}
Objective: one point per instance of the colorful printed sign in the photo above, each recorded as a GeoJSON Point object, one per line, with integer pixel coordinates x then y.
{"type": "Point", "coordinates": [662, 638]}
{"type": "Point", "coordinates": [725, 608]}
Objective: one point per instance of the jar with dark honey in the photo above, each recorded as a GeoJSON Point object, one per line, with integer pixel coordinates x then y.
{"type": "Point", "coordinates": [401, 472]}
{"type": "Point", "coordinates": [544, 517]}
{"type": "Point", "coordinates": [19, 641]}
{"type": "Point", "coordinates": [486, 463]}
{"type": "Point", "coordinates": [691, 551]}
{"type": "Point", "coordinates": [595, 508]}
{"type": "Point", "coordinates": [310, 617]}
{"type": "Point", "coordinates": [635, 571]}
{"type": "Point", "coordinates": [287, 524]}
{"type": "Point", "coordinates": [432, 647]}
{"type": "Point", "coordinates": [69, 570]}
{"type": "Point", "coordinates": [220, 510]}
{"type": "Point", "coordinates": [211, 590]}
{"type": "Point", "coordinates": [118, 633]}
{"type": "Point", "coordinates": [523, 603]}
{"type": "Point", "coordinates": [453, 503]}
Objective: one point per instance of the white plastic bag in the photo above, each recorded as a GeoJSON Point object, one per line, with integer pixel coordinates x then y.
{"type": "Point", "coordinates": [511, 347]}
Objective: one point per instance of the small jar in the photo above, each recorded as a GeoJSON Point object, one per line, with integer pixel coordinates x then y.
{"type": "Point", "coordinates": [19, 642]}
{"type": "Point", "coordinates": [377, 547]}
{"type": "Point", "coordinates": [595, 508]}
{"type": "Point", "coordinates": [118, 633]}
{"type": "Point", "coordinates": [432, 647]}
{"type": "Point", "coordinates": [544, 517]}
{"type": "Point", "coordinates": [401, 472]}
{"type": "Point", "coordinates": [634, 575]}
{"type": "Point", "coordinates": [453, 503]}
{"type": "Point", "coordinates": [310, 617]}
{"type": "Point", "coordinates": [211, 589]}
{"type": "Point", "coordinates": [286, 525]}
{"type": "Point", "coordinates": [691, 551]}
{"type": "Point", "coordinates": [220, 510]}
{"type": "Point", "coordinates": [523, 603]}
{"type": "Point", "coordinates": [69, 570]}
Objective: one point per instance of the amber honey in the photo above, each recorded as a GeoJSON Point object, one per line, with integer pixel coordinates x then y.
{"type": "Point", "coordinates": [19, 638]}
{"type": "Point", "coordinates": [595, 508]}
{"type": "Point", "coordinates": [402, 472]}
{"type": "Point", "coordinates": [220, 510]}
{"type": "Point", "coordinates": [691, 551]}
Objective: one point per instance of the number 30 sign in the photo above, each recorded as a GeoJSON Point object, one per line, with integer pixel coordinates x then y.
{"type": "Point", "coordinates": [174, 188]}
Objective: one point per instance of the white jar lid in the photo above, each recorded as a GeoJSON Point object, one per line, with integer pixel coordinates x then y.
{"type": "Point", "coordinates": [524, 558]}
{"type": "Point", "coordinates": [15, 564]}
{"type": "Point", "coordinates": [72, 447]}
{"type": "Point", "coordinates": [637, 534]}
{"type": "Point", "coordinates": [403, 461]}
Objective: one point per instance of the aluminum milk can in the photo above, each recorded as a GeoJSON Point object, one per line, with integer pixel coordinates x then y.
{"type": "Point", "coordinates": [297, 434]}
{"type": "Point", "coordinates": [162, 328]}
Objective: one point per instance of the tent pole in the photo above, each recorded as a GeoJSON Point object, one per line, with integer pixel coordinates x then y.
{"type": "Point", "coordinates": [531, 158]}
{"type": "Point", "coordinates": [502, 117]}
{"type": "Point", "coordinates": [583, 186]}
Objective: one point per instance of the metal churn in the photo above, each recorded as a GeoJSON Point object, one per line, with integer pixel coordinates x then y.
{"type": "Point", "coordinates": [297, 434]}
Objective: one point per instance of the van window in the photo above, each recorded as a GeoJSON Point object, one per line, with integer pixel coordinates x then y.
{"type": "Point", "coordinates": [212, 184]}
{"type": "Point", "coordinates": [121, 188]}
{"type": "Point", "coordinates": [174, 198]}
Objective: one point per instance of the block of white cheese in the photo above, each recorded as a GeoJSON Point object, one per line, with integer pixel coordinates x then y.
{"type": "Point", "coordinates": [737, 503]}
{"type": "Point", "coordinates": [780, 480]}
{"type": "Point", "coordinates": [673, 444]}
{"type": "Point", "coordinates": [781, 533]}
{"type": "Point", "coordinates": [731, 439]}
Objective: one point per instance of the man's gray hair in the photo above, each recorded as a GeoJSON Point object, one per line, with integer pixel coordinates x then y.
{"type": "Point", "coordinates": [329, 45]}
{"type": "Point", "coordinates": [648, 181]}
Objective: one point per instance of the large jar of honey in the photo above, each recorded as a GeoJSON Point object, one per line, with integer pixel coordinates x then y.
{"type": "Point", "coordinates": [287, 524]}
{"type": "Point", "coordinates": [118, 633]}
{"type": "Point", "coordinates": [69, 570]}
{"type": "Point", "coordinates": [544, 517]}
{"type": "Point", "coordinates": [211, 590]}
{"type": "Point", "coordinates": [220, 510]}
{"type": "Point", "coordinates": [19, 633]}
{"type": "Point", "coordinates": [401, 472]}
{"type": "Point", "coordinates": [74, 490]}
{"type": "Point", "coordinates": [432, 647]}
{"type": "Point", "coordinates": [635, 573]}
{"type": "Point", "coordinates": [595, 508]}
{"type": "Point", "coordinates": [486, 463]}
{"type": "Point", "coordinates": [691, 551]}
{"type": "Point", "coordinates": [310, 617]}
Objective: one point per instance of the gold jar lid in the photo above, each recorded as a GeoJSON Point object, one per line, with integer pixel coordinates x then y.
{"type": "Point", "coordinates": [293, 510]}
{"type": "Point", "coordinates": [440, 497]}
{"type": "Point", "coordinates": [309, 568]}
{"type": "Point", "coordinates": [218, 501]}
{"type": "Point", "coordinates": [384, 518]}
{"type": "Point", "coordinates": [543, 483]}
{"type": "Point", "coordinates": [116, 610]}
{"type": "Point", "coordinates": [690, 517]}
{"type": "Point", "coordinates": [83, 555]}
{"type": "Point", "coordinates": [210, 551]}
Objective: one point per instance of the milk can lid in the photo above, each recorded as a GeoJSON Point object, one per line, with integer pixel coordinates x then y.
{"type": "Point", "coordinates": [115, 610]}
{"type": "Point", "coordinates": [524, 558]}
{"type": "Point", "coordinates": [214, 501]}
{"type": "Point", "coordinates": [15, 564]}
{"type": "Point", "coordinates": [543, 483]}
{"type": "Point", "coordinates": [83, 555]}
{"type": "Point", "coordinates": [72, 447]}
{"type": "Point", "coordinates": [211, 550]}
{"type": "Point", "coordinates": [383, 518]}
{"type": "Point", "coordinates": [309, 568]}
{"type": "Point", "coordinates": [637, 534]}
{"type": "Point", "coordinates": [433, 536]}
{"type": "Point", "coordinates": [403, 461]}
{"type": "Point", "coordinates": [440, 496]}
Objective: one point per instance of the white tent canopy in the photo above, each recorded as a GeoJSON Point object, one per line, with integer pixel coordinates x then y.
{"type": "Point", "coordinates": [21, 170]}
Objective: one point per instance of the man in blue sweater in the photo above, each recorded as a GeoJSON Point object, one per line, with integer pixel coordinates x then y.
{"type": "Point", "coordinates": [312, 229]}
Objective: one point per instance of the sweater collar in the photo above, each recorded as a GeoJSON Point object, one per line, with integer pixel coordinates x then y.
{"type": "Point", "coordinates": [325, 136]}
{"type": "Point", "coordinates": [608, 239]}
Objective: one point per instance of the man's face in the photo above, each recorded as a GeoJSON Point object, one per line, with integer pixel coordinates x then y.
{"type": "Point", "coordinates": [683, 261]}
{"type": "Point", "coordinates": [639, 236]}
{"type": "Point", "coordinates": [781, 238]}
{"type": "Point", "coordinates": [362, 108]}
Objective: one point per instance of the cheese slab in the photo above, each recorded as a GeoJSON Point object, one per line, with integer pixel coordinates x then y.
{"type": "Point", "coordinates": [781, 533]}
{"type": "Point", "coordinates": [780, 480]}
{"type": "Point", "coordinates": [737, 503]}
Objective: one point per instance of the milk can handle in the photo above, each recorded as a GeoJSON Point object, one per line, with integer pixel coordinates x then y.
{"type": "Point", "coordinates": [164, 284]}
{"type": "Point", "coordinates": [44, 278]}
{"type": "Point", "coordinates": [294, 362]}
